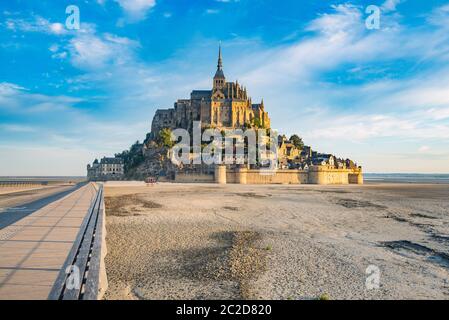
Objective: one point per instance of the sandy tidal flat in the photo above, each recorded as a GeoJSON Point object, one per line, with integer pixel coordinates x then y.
{"type": "Point", "coordinates": [207, 241]}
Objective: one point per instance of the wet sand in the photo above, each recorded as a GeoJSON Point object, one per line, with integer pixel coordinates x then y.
{"type": "Point", "coordinates": [207, 241]}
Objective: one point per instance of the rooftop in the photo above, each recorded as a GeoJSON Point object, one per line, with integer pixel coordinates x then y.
{"type": "Point", "coordinates": [111, 161]}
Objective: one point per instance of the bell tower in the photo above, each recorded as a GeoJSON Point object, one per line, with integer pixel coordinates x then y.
{"type": "Point", "coordinates": [219, 78]}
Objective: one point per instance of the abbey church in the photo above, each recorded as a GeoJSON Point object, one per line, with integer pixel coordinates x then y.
{"type": "Point", "coordinates": [227, 105]}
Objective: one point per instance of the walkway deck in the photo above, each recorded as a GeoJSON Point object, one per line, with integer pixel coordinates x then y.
{"type": "Point", "coordinates": [33, 249]}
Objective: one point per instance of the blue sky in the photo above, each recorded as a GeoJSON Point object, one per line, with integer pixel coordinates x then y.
{"type": "Point", "coordinates": [380, 96]}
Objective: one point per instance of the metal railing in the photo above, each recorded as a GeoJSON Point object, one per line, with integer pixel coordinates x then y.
{"type": "Point", "coordinates": [80, 276]}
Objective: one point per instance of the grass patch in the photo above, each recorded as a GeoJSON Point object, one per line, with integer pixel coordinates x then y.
{"type": "Point", "coordinates": [324, 296]}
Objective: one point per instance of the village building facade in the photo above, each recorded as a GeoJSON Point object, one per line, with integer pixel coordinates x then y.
{"type": "Point", "coordinates": [106, 169]}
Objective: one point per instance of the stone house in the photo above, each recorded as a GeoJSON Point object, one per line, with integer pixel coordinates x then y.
{"type": "Point", "coordinates": [288, 153]}
{"type": "Point", "coordinates": [106, 169]}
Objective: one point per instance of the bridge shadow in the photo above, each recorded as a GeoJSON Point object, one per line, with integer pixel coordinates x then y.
{"type": "Point", "coordinates": [14, 214]}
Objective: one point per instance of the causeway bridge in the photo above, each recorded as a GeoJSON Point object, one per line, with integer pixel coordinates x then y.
{"type": "Point", "coordinates": [57, 251]}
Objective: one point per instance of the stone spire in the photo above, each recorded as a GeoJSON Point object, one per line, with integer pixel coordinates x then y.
{"type": "Point", "coordinates": [219, 74]}
{"type": "Point", "coordinates": [219, 78]}
{"type": "Point", "coordinates": [220, 61]}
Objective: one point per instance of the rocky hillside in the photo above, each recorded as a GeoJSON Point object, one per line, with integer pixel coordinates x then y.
{"type": "Point", "coordinates": [146, 160]}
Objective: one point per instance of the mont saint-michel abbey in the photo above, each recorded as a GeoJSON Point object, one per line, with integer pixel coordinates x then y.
{"type": "Point", "coordinates": [226, 105]}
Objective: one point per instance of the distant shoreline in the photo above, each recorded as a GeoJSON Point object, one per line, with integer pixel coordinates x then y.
{"type": "Point", "coordinates": [433, 178]}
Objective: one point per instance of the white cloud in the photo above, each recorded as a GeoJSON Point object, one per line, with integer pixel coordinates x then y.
{"type": "Point", "coordinates": [59, 55]}
{"type": "Point", "coordinates": [440, 16]}
{"type": "Point", "coordinates": [390, 5]}
{"type": "Point", "coordinates": [91, 51]}
{"type": "Point", "coordinates": [57, 28]}
{"type": "Point", "coordinates": [54, 48]}
{"type": "Point", "coordinates": [438, 113]}
{"type": "Point", "coordinates": [136, 10]}
{"type": "Point", "coordinates": [344, 19]}
{"type": "Point", "coordinates": [374, 126]}
{"type": "Point", "coordinates": [16, 128]}
{"type": "Point", "coordinates": [17, 99]}
{"type": "Point", "coordinates": [35, 24]}
{"type": "Point", "coordinates": [7, 89]}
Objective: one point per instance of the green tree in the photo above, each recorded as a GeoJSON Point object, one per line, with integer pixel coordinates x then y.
{"type": "Point", "coordinates": [256, 123]}
{"type": "Point", "coordinates": [132, 157]}
{"type": "Point", "coordinates": [297, 141]}
{"type": "Point", "coordinates": [164, 138]}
